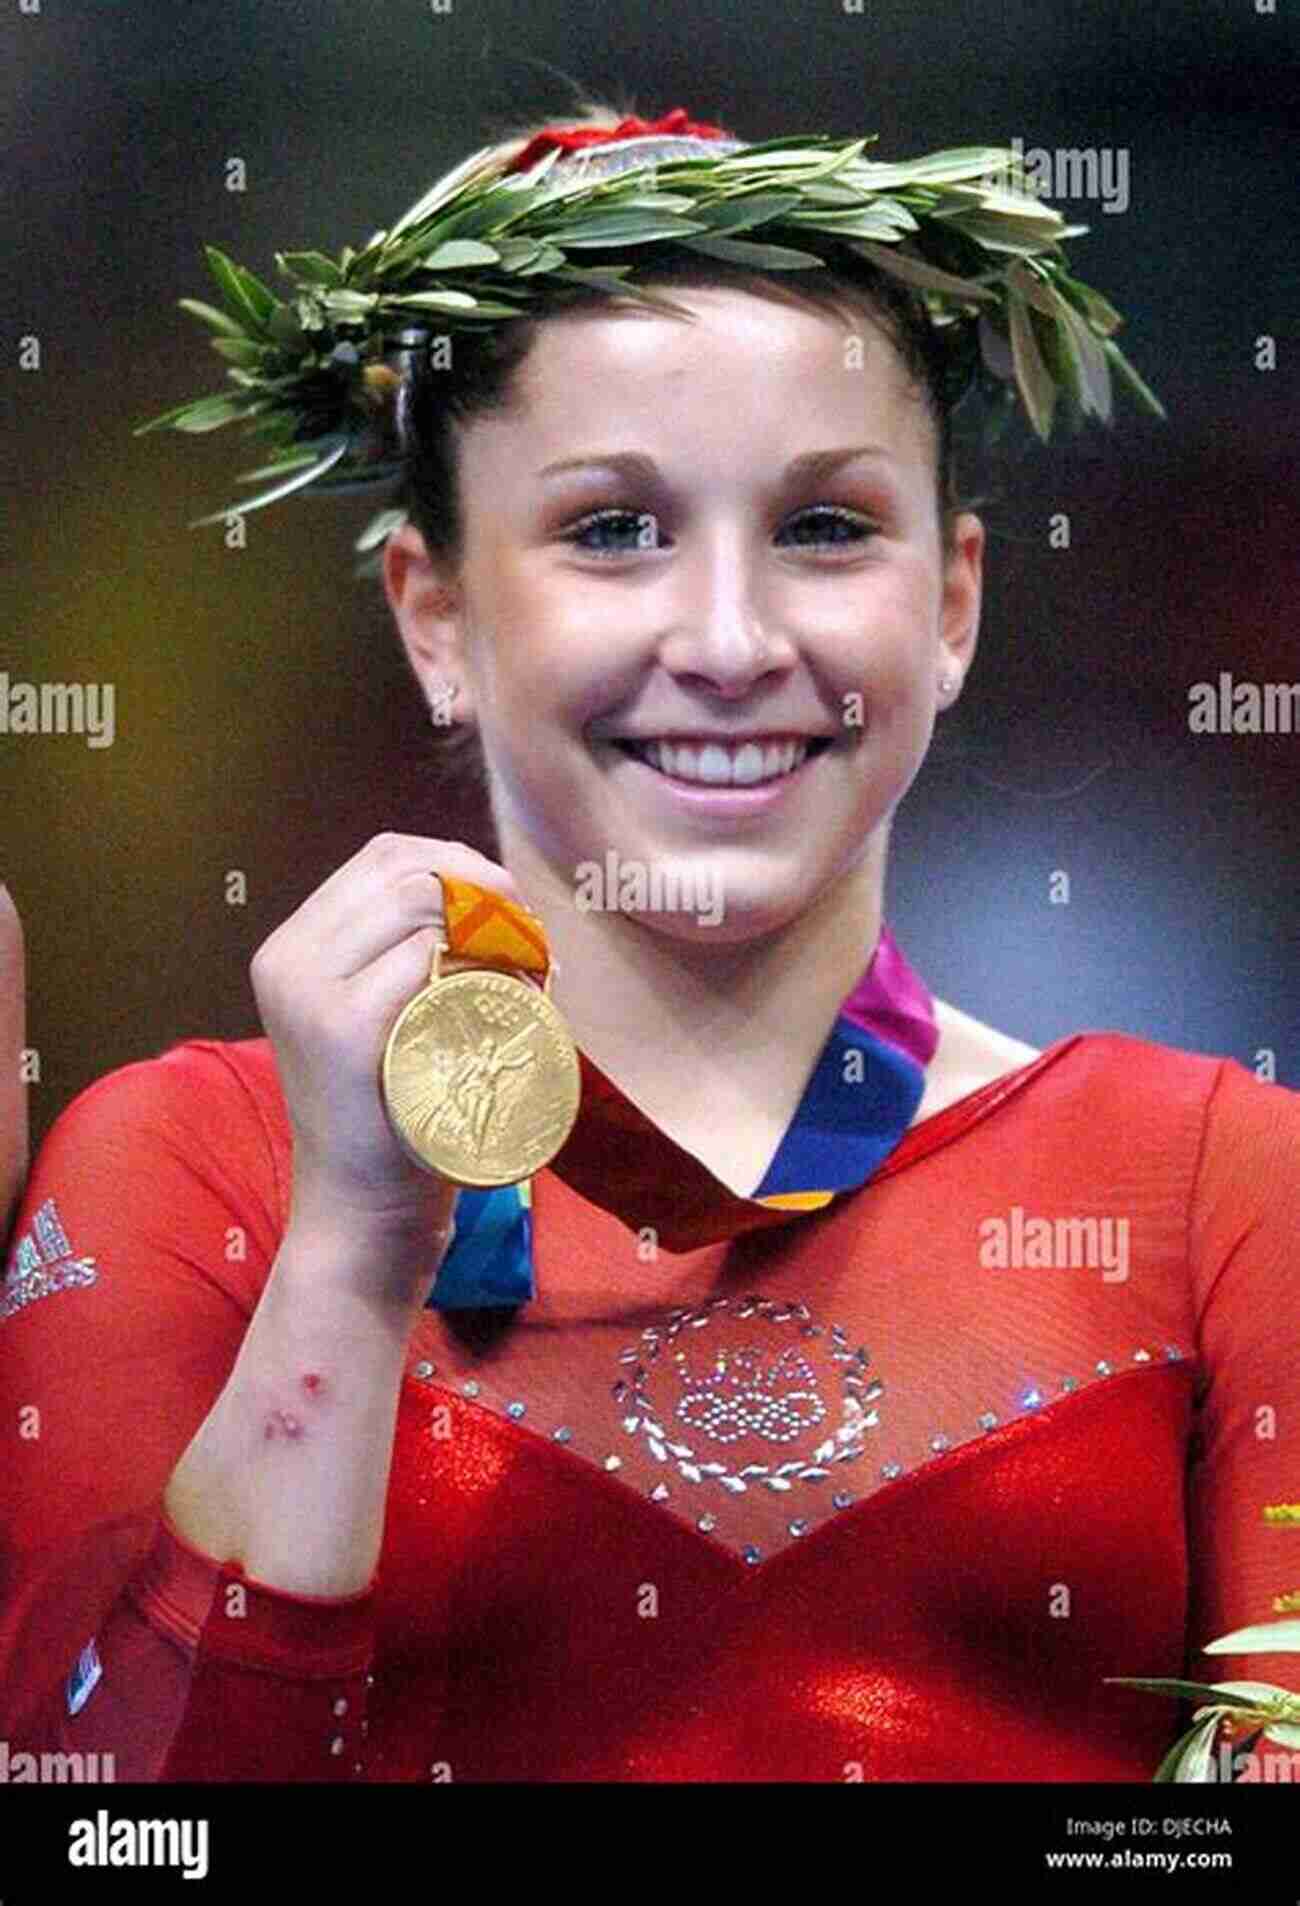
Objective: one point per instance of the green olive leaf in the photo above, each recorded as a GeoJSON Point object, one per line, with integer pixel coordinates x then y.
{"type": "Point", "coordinates": [926, 277]}
{"type": "Point", "coordinates": [1184, 1690]}
{"type": "Point", "coordinates": [1264, 1638]}
{"type": "Point", "coordinates": [240, 351]}
{"type": "Point", "coordinates": [313, 266]}
{"type": "Point", "coordinates": [379, 529]}
{"type": "Point", "coordinates": [739, 213]}
{"type": "Point", "coordinates": [229, 326]}
{"type": "Point", "coordinates": [460, 251]}
{"type": "Point", "coordinates": [1033, 378]}
{"type": "Point", "coordinates": [1189, 1759]}
{"type": "Point", "coordinates": [739, 251]}
{"type": "Point", "coordinates": [296, 482]}
{"type": "Point", "coordinates": [625, 228]}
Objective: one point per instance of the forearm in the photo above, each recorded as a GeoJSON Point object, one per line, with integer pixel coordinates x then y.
{"type": "Point", "coordinates": [288, 1473]}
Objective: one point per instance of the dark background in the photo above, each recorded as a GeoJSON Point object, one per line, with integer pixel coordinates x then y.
{"type": "Point", "coordinates": [265, 718]}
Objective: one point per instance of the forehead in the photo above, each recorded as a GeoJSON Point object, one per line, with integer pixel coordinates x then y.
{"type": "Point", "coordinates": [745, 370]}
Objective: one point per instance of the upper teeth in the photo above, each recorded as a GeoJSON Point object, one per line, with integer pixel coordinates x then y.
{"type": "Point", "coordinates": [721, 765]}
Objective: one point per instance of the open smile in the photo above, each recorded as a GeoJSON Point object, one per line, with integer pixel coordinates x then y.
{"type": "Point", "coordinates": [716, 764]}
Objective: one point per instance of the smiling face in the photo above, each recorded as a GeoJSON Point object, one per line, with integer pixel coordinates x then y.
{"type": "Point", "coordinates": [724, 530]}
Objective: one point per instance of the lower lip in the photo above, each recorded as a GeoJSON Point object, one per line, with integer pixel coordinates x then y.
{"type": "Point", "coordinates": [733, 802]}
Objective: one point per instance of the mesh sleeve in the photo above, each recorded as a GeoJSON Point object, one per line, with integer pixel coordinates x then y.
{"type": "Point", "coordinates": [148, 1226]}
{"type": "Point", "coordinates": [1244, 1468]}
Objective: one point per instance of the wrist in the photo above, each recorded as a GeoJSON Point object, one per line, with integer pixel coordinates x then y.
{"type": "Point", "coordinates": [378, 1249]}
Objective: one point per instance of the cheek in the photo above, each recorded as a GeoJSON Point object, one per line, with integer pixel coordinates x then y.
{"type": "Point", "coordinates": [893, 651]}
{"type": "Point", "coordinates": [544, 663]}
{"type": "Point", "coordinates": [508, 648]}
{"type": "Point", "coordinates": [538, 686]}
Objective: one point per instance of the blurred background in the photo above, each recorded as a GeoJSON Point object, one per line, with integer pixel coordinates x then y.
{"type": "Point", "coordinates": [265, 721]}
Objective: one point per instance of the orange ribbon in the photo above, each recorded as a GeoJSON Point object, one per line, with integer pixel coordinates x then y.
{"type": "Point", "coordinates": [485, 927]}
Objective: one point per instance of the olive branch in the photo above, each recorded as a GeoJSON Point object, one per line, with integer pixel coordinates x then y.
{"type": "Point", "coordinates": [963, 229]}
{"type": "Point", "coordinates": [1268, 1710]}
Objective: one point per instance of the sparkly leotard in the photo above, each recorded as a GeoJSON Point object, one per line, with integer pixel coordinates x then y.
{"type": "Point", "coordinates": [880, 1490]}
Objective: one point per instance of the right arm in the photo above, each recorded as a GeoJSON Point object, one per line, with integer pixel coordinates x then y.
{"type": "Point", "coordinates": [262, 1452]}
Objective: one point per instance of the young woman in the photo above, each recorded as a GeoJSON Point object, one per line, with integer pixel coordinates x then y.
{"type": "Point", "coordinates": [856, 1389]}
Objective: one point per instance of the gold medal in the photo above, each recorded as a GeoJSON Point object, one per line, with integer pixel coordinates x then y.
{"type": "Point", "coordinates": [480, 1073]}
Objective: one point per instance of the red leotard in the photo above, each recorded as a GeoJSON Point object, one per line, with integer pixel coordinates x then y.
{"type": "Point", "coordinates": [871, 1492]}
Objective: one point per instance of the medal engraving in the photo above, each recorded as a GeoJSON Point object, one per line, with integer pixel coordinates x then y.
{"type": "Point", "coordinates": [481, 1078]}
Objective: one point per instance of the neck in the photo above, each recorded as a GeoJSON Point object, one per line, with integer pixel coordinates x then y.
{"type": "Point", "coordinates": [702, 1035]}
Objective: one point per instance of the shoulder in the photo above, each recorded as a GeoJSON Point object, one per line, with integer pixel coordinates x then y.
{"type": "Point", "coordinates": [150, 1172]}
{"type": "Point", "coordinates": [1132, 1083]}
{"type": "Point", "coordinates": [1144, 1074]}
{"type": "Point", "coordinates": [205, 1105]}
{"type": "Point", "coordinates": [195, 1081]}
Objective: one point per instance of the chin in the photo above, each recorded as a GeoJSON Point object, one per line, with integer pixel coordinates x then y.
{"type": "Point", "coordinates": [695, 896]}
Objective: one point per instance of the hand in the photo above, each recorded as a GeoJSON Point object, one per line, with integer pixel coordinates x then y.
{"type": "Point", "coordinates": [330, 984]}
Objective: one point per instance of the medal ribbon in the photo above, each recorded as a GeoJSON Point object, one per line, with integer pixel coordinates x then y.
{"type": "Point", "coordinates": [488, 930]}
{"type": "Point", "coordinates": [859, 1101]}
{"type": "Point", "coordinates": [491, 1258]}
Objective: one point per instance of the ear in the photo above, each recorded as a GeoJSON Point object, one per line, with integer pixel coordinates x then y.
{"type": "Point", "coordinates": [426, 603]}
{"type": "Point", "coordinates": [963, 588]}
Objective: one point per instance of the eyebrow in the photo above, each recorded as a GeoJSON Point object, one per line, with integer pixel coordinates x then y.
{"type": "Point", "coordinates": [634, 463]}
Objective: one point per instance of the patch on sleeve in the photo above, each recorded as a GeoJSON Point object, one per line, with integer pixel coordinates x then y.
{"type": "Point", "coordinates": [84, 1677]}
{"type": "Point", "coordinates": [42, 1262]}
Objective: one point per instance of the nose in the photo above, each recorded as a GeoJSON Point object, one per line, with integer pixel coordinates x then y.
{"type": "Point", "coordinates": [723, 625]}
